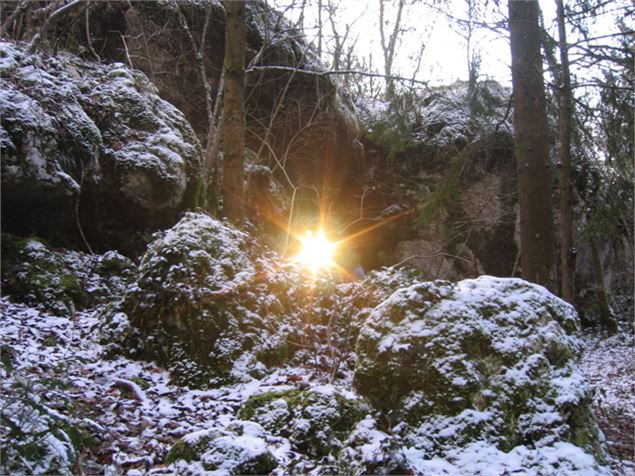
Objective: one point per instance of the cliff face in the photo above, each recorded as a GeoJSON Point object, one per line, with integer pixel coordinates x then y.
{"type": "Point", "coordinates": [441, 176]}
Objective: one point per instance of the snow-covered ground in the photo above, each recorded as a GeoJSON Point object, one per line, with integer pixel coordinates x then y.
{"type": "Point", "coordinates": [58, 386]}
{"type": "Point", "coordinates": [608, 364]}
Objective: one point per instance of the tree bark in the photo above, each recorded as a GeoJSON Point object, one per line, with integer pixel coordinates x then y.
{"type": "Point", "coordinates": [233, 124]}
{"type": "Point", "coordinates": [532, 146]}
{"type": "Point", "coordinates": [567, 253]}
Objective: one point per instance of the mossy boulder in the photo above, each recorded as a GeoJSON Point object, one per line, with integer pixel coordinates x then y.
{"type": "Point", "coordinates": [60, 281]}
{"type": "Point", "coordinates": [317, 421]}
{"type": "Point", "coordinates": [488, 358]}
{"type": "Point", "coordinates": [240, 448]}
{"type": "Point", "coordinates": [35, 275]}
{"type": "Point", "coordinates": [205, 303]}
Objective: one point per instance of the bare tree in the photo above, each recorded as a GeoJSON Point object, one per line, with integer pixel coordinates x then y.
{"type": "Point", "coordinates": [212, 105]}
{"type": "Point", "coordinates": [389, 41]}
{"type": "Point", "coordinates": [566, 197]}
{"type": "Point", "coordinates": [50, 22]}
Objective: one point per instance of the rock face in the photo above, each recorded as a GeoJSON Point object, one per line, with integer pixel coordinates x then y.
{"type": "Point", "coordinates": [435, 263]}
{"type": "Point", "coordinates": [441, 170]}
{"type": "Point", "coordinates": [207, 302]}
{"type": "Point", "coordinates": [296, 118]}
{"type": "Point", "coordinates": [90, 148]}
{"type": "Point", "coordinates": [487, 359]}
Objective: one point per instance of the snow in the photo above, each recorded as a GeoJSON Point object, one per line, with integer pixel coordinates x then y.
{"type": "Point", "coordinates": [482, 459]}
{"type": "Point", "coordinates": [136, 433]}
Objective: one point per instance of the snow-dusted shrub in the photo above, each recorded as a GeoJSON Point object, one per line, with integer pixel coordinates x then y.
{"type": "Point", "coordinates": [317, 421]}
{"type": "Point", "coordinates": [208, 302]}
{"type": "Point", "coordinates": [36, 437]}
{"type": "Point", "coordinates": [241, 448]}
{"type": "Point", "coordinates": [486, 359]}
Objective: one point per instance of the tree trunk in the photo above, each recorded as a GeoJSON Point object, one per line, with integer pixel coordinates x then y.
{"type": "Point", "coordinates": [532, 146]}
{"type": "Point", "coordinates": [566, 199]}
{"type": "Point", "coordinates": [234, 112]}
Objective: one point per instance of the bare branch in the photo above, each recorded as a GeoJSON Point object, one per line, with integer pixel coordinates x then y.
{"type": "Point", "coordinates": [50, 21]}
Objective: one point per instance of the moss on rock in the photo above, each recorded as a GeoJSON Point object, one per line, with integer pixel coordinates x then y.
{"type": "Point", "coordinates": [241, 448]}
{"type": "Point", "coordinates": [60, 281]}
{"type": "Point", "coordinates": [316, 420]}
{"type": "Point", "coordinates": [205, 303]}
{"type": "Point", "coordinates": [35, 275]}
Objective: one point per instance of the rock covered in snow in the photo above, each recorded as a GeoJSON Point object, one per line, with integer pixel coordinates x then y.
{"type": "Point", "coordinates": [207, 301]}
{"type": "Point", "coordinates": [368, 450]}
{"type": "Point", "coordinates": [317, 421]}
{"type": "Point", "coordinates": [240, 448]}
{"type": "Point", "coordinates": [92, 145]}
{"type": "Point", "coordinates": [488, 359]}
{"type": "Point", "coordinates": [60, 281]}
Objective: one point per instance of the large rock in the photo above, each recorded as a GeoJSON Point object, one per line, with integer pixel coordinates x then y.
{"type": "Point", "coordinates": [294, 116]}
{"type": "Point", "coordinates": [441, 166]}
{"type": "Point", "coordinates": [90, 148]}
{"type": "Point", "coordinates": [487, 359]}
{"type": "Point", "coordinates": [207, 302]}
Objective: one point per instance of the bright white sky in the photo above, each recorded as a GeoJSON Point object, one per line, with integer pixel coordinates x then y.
{"type": "Point", "coordinates": [445, 57]}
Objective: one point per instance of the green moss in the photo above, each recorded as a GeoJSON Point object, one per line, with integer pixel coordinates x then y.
{"type": "Point", "coordinates": [255, 402]}
{"type": "Point", "coordinates": [190, 449]}
{"type": "Point", "coordinates": [34, 274]}
{"type": "Point", "coordinates": [262, 464]}
{"type": "Point", "coordinates": [181, 451]}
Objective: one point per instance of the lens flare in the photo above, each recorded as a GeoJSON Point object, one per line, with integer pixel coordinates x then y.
{"type": "Point", "coordinates": [317, 252]}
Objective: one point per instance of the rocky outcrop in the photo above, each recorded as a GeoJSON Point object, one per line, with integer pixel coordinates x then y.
{"type": "Point", "coordinates": [489, 359]}
{"type": "Point", "coordinates": [295, 117]}
{"type": "Point", "coordinates": [91, 149]}
{"type": "Point", "coordinates": [441, 172]}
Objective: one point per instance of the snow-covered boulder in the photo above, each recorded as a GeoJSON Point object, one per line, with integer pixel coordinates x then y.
{"type": "Point", "coordinates": [241, 448]}
{"type": "Point", "coordinates": [488, 359]}
{"type": "Point", "coordinates": [92, 146]}
{"type": "Point", "coordinates": [207, 302]}
{"type": "Point", "coordinates": [317, 421]}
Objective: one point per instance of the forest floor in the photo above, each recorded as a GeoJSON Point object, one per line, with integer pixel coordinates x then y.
{"type": "Point", "coordinates": [608, 364]}
{"type": "Point", "coordinates": [138, 414]}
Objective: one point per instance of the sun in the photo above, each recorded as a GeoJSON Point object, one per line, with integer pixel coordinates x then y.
{"type": "Point", "coordinates": [317, 251]}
